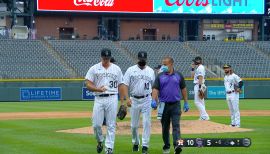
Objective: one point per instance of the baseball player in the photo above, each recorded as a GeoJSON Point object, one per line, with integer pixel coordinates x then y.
{"type": "Point", "coordinates": [139, 79]}
{"type": "Point", "coordinates": [233, 85]}
{"type": "Point", "coordinates": [112, 60]}
{"type": "Point", "coordinates": [104, 79]}
{"type": "Point", "coordinates": [198, 73]}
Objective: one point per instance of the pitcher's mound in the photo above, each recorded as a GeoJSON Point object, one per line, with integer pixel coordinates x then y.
{"type": "Point", "coordinates": [187, 127]}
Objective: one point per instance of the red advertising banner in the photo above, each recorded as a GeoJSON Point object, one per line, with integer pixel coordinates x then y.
{"type": "Point", "coordinates": [135, 6]}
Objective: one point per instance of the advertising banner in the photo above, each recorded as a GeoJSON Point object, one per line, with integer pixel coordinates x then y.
{"type": "Point", "coordinates": [209, 6]}
{"type": "Point", "coordinates": [40, 93]}
{"type": "Point", "coordinates": [219, 92]}
{"type": "Point", "coordinates": [87, 94]}
{"type": "Point", "coordinates": [155, 6]}
{"type": "Point", "coordinates": [113, 6]}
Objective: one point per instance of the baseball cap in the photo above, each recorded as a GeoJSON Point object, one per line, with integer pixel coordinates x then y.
{"type": "Point", "coordinates": [197, 59]}
{"type": "Point", "coordinates": [106, 53]}
{"type": "Point", "coordinates": [142, 55]}
{"type": "Point", "coordinates": [227, 66]}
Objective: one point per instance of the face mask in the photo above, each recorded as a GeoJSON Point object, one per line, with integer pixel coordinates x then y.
{"type": "Point", "coordinates": [142, 63]}
{"type": "Point", "coordinates": [164, 68]}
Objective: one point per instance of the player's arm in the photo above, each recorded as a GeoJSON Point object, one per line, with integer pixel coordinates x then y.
{"type": "Point", "coordinates": [121, 93]}
{"type": "Point", "coordinates": [200, 81]}
{"type": "Point", "coordinates": [240, 83]}
{"type": "Point", "coordinates": [155, 88]}
{"type": "Point", "coordinates": [125, 95]}
{"type": "Point", "coordinates": [89, 78]}
{"type": "Point", "coordinates": [90, 86]}
{"type": "Point", "coordinates": [125, 85]}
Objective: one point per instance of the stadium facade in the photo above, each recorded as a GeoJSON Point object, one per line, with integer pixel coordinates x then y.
{"type": "Point", "coordinates": [142, 20]}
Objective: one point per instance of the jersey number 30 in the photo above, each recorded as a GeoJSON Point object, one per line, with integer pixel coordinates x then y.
{"type": "Point", "coordinates": [113, 84]}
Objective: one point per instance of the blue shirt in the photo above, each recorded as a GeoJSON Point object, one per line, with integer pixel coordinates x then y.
{"type": "Point", "coordinates": [169, 86]}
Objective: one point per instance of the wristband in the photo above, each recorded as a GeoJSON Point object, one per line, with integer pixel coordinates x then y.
{"type": "Point", "coordinates": [192, 69]}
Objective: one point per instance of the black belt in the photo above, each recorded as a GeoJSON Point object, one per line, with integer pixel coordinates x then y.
{"type": "Point", "coordinates": [105, 95]}
{"type": "Point", "coordinates": [229, 92]}
{"type": "Point", "coordinates": [172, 103]}
{"type": "Point", "coordinates": [139, 97]}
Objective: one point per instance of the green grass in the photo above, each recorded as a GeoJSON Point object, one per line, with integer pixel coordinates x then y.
{"type": "Point", "coordinates": [38, 136]}
{"type": "Point", "coordinates": [245, 104]}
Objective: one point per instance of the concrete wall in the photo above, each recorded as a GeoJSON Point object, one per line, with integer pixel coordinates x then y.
{"type": "Point", "coordinates": [48, 25]}
{"type": "Point", "coordinates": [130, 28]}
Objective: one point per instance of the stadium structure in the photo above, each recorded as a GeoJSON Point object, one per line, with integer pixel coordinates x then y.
{"type": "Point", "coordinates": [47, 39]}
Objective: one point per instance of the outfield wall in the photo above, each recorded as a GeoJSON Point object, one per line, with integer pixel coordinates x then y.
{"type": "Point", "coordinates": [12, 90]}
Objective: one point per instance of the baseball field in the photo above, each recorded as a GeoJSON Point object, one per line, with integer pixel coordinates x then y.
{"type": "Point", "coordinates": [31, 128]}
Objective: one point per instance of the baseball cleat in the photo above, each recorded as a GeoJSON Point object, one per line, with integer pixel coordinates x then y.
{"type": "Point", "coordinates": [99, 147]}
{"type": "Point", "coordinates": [135, 148]}
{"type": "Point", "coordinates": [232, 125]}
{"type": "Point", "coordinates": [204, 118]}
{"type": "Point", "coordinates": [144, 150]}
{"type": "Point", "coordinates": [177, 150]}
{"type": "Point", "coordinates": [109, 151]}
{"type": "Point", "coordinates": [166, 151]}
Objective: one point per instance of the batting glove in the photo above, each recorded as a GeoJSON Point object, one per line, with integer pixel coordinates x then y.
{"type": "Point", "coordinates": [186, 107]}
{"type": "Point", "coordinates": [154, 104]}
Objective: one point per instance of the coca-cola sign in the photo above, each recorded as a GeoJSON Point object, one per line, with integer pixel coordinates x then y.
{"type": "Point", "coordinates": [118, 6]}
{"type": "Point", "coordinates": [108, 3]}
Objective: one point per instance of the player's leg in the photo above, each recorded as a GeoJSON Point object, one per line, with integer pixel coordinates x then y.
{"type": "Point", "coordinates": [146, 112]}
{"type": "Point", "coordinates": [98, 116]}
{"type": "Point", "coordinates": [200, 104]}
{"type": "Point", "coordinates": [204, 114]}
{"type": "Point", "coordinates": [135, 122]}
{"type": "Point", "coordinates": [230, 105]}
{"type": "Point", "coordinates": [111, 104]}
{"type": "Point", "coordinates": [235, 103]}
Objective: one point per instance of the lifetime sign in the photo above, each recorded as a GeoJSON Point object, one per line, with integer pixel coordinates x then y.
{"type": "Point", "coordinates": [40, 93]}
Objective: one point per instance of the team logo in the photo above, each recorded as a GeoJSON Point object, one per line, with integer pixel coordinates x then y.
{"type": "Point", "coordinates": [107, 3]}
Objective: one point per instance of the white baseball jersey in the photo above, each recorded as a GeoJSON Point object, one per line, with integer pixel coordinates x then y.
{"type": "Point", "coordinates": [139, 81]}
{"type": "Point", "coordinates": [233, 98]}
{"type": "Point", "coordinates": [110, 78]}
{"type": "Point", "coordinates": [230, 81]}
{"type": "Point", "coordinates": [140, 84]}
{"type": "Point", "coordinates": [105, 106]}
{"type": "Point", "coordinates": [200, 71]}
{"type": "Point", "coordinates": [200, 104]}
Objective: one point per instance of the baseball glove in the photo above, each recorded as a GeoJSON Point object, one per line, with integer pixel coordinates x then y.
{"type": "Point", "coordinates": [201, 94]}
{"type": "Point", "coordinates": [237, 89]}
{"type": "Point", "coordinates": [202, 90]}
{"type": "Point", "coordinates": [122, 112]}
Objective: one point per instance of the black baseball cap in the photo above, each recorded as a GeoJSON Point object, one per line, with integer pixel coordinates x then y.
{"type": "Point", "coordinates": [142, 55]}
{"type": "Point", "coordinates": [106, 53]}
{"type": "Point", "coordinates": [196, 59]}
